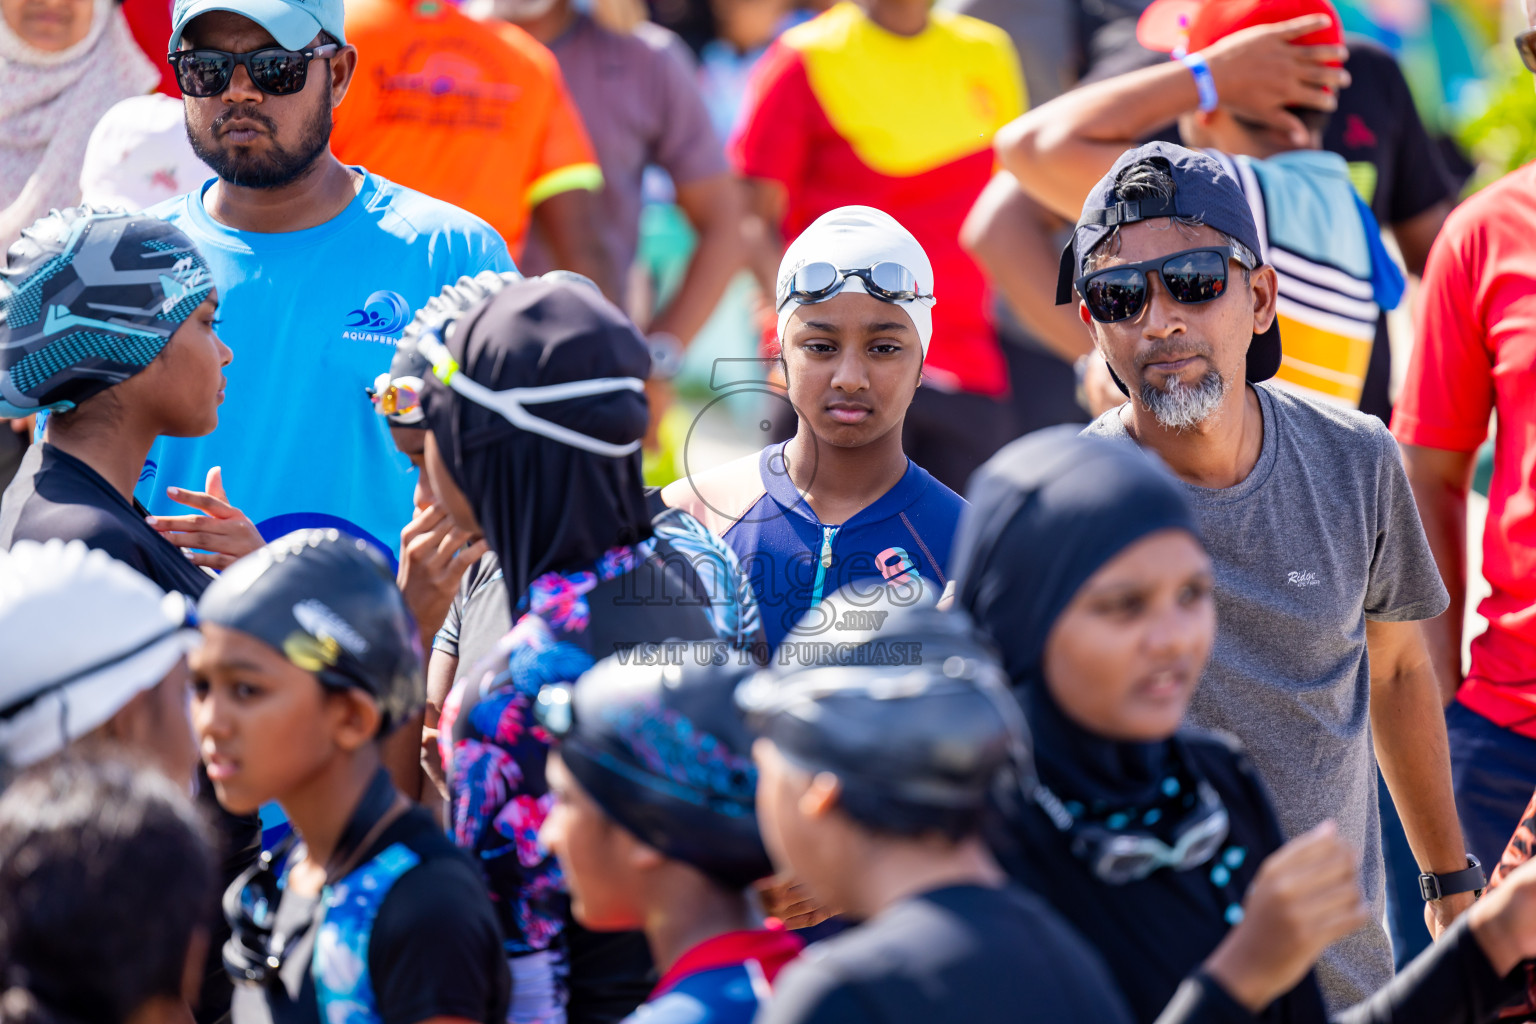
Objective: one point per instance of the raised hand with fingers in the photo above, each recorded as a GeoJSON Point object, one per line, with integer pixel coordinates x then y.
{"type": "Point", "coordinates": [434, 555]}
{"type": "Point", "coordinates": [216, 538]}
{"type": "Point", "coordinates": [1305, 897]}
{"type": "Point", "coordinates": [1259, 72]}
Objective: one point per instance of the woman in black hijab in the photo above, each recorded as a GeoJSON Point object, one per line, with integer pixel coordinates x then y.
{"type": "Point", "coordinates": [1083, 561]}
{"type": "Point", "coordinates": [535, 410]}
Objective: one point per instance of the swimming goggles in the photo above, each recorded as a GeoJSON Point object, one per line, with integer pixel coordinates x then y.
{"type": "Point", "coordinates": [510, 403]}
{"type": "Point", "coordinates": [1118, 857]}
{"type": "Point", "coordinates": [399, 398]}
{"type": "Point", "coordinates": [818, 282]}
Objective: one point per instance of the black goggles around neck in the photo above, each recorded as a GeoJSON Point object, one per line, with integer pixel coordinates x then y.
{"type": "Point", "coordinates": [1192, 276]}
{"type": "Point", "coordinates": [274, 70]}
{"type": "Point", "coordinates": [1525, 42]}
{"type": "Point", "coordinates": [818, 282]}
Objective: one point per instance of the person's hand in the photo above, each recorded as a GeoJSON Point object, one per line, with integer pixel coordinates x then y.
{"type": "Point", "coordinates": [1097, 391]}
{"type": "Point", "coordinates": [1305, 897]}
{"type": "Point", "coordinates": [223, 533]}
{"type": "Point", "coordinates": [792, 903]}
{"type": "Point", "coordinates": [1504, 921]}
{"type": "Point", "coordinates": [1258, 72]}
{"type": "Point", "coordinates": [434, 555]}
{"type": "Point", "coordinates": [1442, 913]}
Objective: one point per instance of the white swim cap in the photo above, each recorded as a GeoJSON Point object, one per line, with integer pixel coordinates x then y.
{"type": "Point", "coordinates": [83, 634]}
{"type": "Point", "coordinates": [855, 238]}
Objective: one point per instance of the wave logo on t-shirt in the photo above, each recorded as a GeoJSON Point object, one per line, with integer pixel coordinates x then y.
{"type": "Point", "coordinates": [381, 318]}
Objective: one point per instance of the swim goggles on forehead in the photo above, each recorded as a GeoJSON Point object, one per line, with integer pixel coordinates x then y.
{"type": "Point", "coordinates": [399, 398]}
{"type": "Point", "coordinates": [1117, 857]}
{"type": "Point", "coordinates": [818, 282]}
{"type": "Point", "coordinates": [510, 403]}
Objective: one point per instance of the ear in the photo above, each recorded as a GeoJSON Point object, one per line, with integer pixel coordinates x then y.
{"type": "Point", "coordinates": [130, 726]}
{"type": "Point", "coordinates": [357, 719]}
{"type": "Point", "coordinates": [343, 66]}
{"type": "Point", "coordinates": [1266, 290]}
{"type": "Point", "coordinates": [640, 855]}
{"type": "Point", "coordinates": [821, 797]}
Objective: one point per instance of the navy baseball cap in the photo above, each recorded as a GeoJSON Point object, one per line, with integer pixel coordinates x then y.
{"type": "Point", "coordinates": [1201, 188]}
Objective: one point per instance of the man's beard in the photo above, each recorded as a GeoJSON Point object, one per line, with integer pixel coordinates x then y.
{"type": "Point", "coordinates": [1180, 406]}
{"type": "Point", "coordinates": [273, 169]}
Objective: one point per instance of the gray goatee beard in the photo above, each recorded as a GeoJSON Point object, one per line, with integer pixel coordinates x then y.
{"type": "Point", "coordinates": [1180, 406]}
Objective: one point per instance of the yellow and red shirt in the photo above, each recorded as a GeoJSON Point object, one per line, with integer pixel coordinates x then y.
{"type": "Point", "coordinates": [475, 114]}
{"type": "Point", "coordinates": [843, 112]}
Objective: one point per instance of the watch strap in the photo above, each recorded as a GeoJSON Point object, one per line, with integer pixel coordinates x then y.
{"type": "Point", "coordinates": [1469, 879]}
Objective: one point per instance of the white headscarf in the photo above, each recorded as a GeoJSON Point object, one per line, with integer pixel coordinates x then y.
{"type": "Point", "coordinates": [49, 102]}
{"type": "Point", "coordinates": [854, 238]}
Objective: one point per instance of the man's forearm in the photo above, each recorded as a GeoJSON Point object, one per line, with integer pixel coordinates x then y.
{"type": "Point", "coordinates": [1408, 722]}
{"type": "Point", "coordinates": [1059, 149]}
{"type": "Point", "coordinates": [721, 252]}
{"type": "Point", "coordinates": [1440, 481]}
{"type": "Point", "coordinates": [1009, 234]}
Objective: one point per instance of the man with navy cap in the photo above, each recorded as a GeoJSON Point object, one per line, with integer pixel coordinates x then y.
{"type": "Point", "coordinates": [1323, 572]}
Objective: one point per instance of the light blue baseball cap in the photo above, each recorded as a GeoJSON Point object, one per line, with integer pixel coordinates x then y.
{"type": "Point", "coordinates": [293, 23]}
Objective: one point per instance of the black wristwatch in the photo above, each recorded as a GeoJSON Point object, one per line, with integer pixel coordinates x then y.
{"type": "Point", "coordinates": [1470, 879]}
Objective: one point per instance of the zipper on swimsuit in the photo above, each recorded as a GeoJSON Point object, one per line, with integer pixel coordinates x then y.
{"type": "Point", "coordinates": [825, 562]}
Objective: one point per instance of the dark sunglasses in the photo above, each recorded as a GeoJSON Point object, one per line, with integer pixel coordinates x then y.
{"type": "Point", "coordinates": [817, 282]}
{"type": "Point", "coordinates": [1191, 277]}
{"type": "Point", "coordinates": [274, 70]}
{"type": "Point", "coordinates": [1525, 42]}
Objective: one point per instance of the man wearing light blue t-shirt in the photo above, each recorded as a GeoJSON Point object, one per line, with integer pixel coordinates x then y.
{"type": "Point", "coordinates": [319, 268]}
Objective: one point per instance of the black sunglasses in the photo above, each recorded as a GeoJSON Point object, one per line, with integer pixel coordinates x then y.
{"type": "Point", "coordinates": [274, 70]}
{"type": "Point", "coordinates": [817, 282]}
{"type": "Point", "coordinates": [1525, 42]}
{"type": "Point", "coordinates": [1191, 277]}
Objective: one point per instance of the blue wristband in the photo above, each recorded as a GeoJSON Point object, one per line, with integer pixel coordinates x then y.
{"type": "Point", "coordinates": [1205, 85]}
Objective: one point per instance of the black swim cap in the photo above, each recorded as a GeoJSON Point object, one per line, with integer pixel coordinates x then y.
{"type": "Point", "coordinates": [665, 753]}
{"type": "Point", "coordinates": [913, 717]}
{"type": "Point", "coordinates": [328, 603]}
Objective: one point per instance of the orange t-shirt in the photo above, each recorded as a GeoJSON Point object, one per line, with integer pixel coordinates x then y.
{"type": "Point", "coordinates": [474, 114]}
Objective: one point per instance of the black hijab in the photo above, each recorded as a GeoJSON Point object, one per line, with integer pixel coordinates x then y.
{"type": "Point", "coordinates": [1045, 513]}
{"type": "Point", "coordinates": [545, 506]}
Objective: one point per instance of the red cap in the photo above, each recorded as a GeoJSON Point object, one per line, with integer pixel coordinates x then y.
{"type": "Point", "coordinates": [1190, 25]}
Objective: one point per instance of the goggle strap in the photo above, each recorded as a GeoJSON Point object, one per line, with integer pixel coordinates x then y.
{"type": "Point", "coordinates": [510, 403]}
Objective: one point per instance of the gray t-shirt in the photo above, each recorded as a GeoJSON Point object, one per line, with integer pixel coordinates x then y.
{"type": "Point", "coordinates": [1320, 537]}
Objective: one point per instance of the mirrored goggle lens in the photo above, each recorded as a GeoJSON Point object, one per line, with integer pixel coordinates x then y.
{"type": "Point", "coordinates": [398, 398]}
{"type": "Point", "coordinates": [893, 281]}
{"type": "Point", "coordinates": [1116, 295]}
{"type": "Point", "coordinates": [1195, 276]}
{"type": "Point", "coordinates": [1120, 868]}
{"type": "Point", "coordinates": [553, 711]}
{"type": "Point", "coordinates": [812, 281]}
{"type": "Point", "coordinates": [203, 72]}
{"type": "Point", "coordinates": [279, 72]}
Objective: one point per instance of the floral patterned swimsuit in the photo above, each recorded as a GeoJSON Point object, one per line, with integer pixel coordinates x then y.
{"type": "Point", "coordinates": [492, 750]}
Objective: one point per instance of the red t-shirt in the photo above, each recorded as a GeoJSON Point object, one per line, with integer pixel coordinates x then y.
{"type": "Point", "coordinates": [842, 112]}
{"type": "Point", "coordinates": [1476, 354]}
